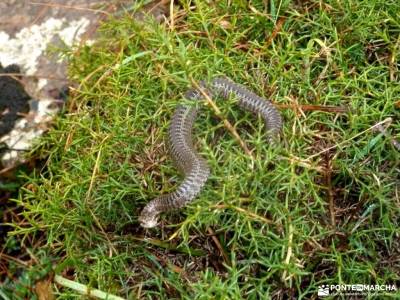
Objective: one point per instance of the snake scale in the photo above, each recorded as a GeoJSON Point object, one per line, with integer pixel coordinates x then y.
{"type": "Point", "coordinates": [194, 167]}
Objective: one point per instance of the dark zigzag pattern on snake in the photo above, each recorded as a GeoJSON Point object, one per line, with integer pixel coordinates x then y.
{"type": "Point", "coordinates": [194, 167]}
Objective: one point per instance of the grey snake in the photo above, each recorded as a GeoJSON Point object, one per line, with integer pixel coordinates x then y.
{"type": "Point", "coordinates": [194, 167]}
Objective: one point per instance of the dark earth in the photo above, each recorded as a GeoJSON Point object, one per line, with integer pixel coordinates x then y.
{"type": "Point", "coordinates": [13, 99]}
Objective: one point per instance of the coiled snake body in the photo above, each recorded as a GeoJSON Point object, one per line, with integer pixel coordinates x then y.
{"type": "Point", "coordinates": [194, 167]}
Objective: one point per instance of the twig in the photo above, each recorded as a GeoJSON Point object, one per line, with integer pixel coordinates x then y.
{"type": "Point", "coordinates": [84, 290]}
{"type": "Point", "coordinates": [277, 29]}
{"type": "Point", "coordinates": [18, 261]}
{"type": "Point", "coordinates": [7, 169]}
{"type": "Point", "coordinates": [219, 246]}
{"type": "Point", "coordinates": [227, 124]}
{"type": "Point", "coordinates": [307, 107]}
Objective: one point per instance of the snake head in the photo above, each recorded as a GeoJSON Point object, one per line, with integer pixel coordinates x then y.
{"type": "Point", "coordinates": [149, 217]}
{"type": "Point", "coordinates": [148, 221]}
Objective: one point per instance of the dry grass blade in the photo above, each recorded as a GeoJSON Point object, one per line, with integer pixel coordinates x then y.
{"type": "Point", "coordinates": [227, 124]}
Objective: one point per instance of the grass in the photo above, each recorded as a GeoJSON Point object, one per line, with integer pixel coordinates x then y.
{"type": "Point", "coordinates": [320, 208]}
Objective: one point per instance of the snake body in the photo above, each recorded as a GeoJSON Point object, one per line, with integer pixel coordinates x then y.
{"type": "Point", "coordinates": [194, 167]}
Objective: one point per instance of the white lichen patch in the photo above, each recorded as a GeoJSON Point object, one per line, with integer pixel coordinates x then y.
{"type": "Point", "coordinates": [31, 42]}
{"type": "Point", "coordinates": [25, 49]}
{"type": "Point", "coordinates": [27, 129]}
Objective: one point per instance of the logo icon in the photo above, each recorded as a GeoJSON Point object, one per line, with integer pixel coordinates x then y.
{"type": "Point", "coordinates": [323, 290]}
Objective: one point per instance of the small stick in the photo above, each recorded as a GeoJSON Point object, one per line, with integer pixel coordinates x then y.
{"type": "Point", "coordinates": [18, 261]}
{"type": "Point", "coordinates": [277, 29]}
{"type": "Point", "coordinates": [84, 290]}
{"type": "Point", "coordinates": [306, 107]}
{"type": "Point", "coordinates": [219, 246]}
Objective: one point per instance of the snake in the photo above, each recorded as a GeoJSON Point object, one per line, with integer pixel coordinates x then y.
{"type": "Point", "coordinates": [195, 168]}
